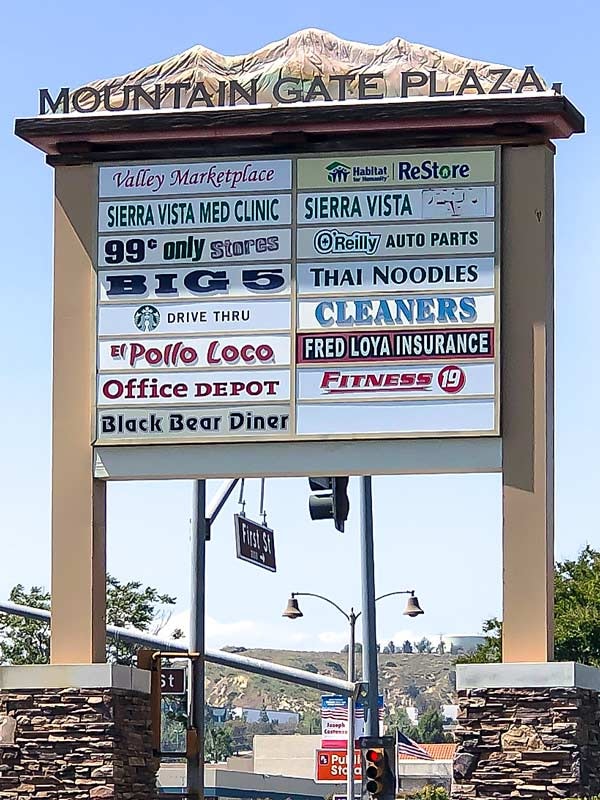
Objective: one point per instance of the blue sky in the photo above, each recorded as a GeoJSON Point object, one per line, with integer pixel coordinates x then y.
{"type": "Point", "coordinates": [439, 535]}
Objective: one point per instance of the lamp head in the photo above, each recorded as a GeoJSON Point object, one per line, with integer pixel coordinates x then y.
{"type": "Point", "coordinates": [292, 611]}
{"type": "Point", "coordinates": [413, 609]}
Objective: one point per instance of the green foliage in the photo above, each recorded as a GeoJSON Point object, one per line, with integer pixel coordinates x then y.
{"type": "Point", "coordinates": [26, 641]}
{"type": "Point", "coordinates": [430, 792]}
{"type": "Point", "coordinates": [397, 719]}
{"type": "Point", "coordinates": [577, 608]}
{"type": "Point", "coordinates": [173, 723]}
{"type": "Point", "coordinates": [430, 729]}
{"type": "Point", "coordinates": [576, 614]}
{"type": "Point", "coordinates": [218, 743]}
{"type": "Point", "coordinates": [310, 722]}
{"type": "Point", "coordinates": [491, 650]}
{"type": "Point", "coordinates": [424, 646]}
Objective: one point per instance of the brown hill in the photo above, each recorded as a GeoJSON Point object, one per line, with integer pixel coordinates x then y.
{"type": "Point", "coordinates": [403, 678]}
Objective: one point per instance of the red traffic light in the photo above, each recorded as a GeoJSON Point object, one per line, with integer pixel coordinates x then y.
{"type": "Point", "coordinates": [375, 756]}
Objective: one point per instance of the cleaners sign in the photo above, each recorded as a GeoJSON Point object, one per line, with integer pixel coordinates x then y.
{"type": "Point", "coordinates": [300, 298]}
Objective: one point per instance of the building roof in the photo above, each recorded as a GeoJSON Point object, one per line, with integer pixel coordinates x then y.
{"type": "Point", "coordinates": [438, 752]}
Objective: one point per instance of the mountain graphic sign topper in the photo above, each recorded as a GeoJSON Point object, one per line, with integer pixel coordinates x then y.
{"type": "Point", "coordinates": [311, 66]}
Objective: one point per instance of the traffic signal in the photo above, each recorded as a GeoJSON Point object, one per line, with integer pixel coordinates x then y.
{"type": "Point", "coordinates": [331, 502]}
{"type": "Point", "coordinates": [378, 767]}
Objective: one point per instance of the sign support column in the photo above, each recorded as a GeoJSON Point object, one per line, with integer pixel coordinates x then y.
{"type": "Point", "coordinates": [528, 404]}
{"type": "Point", "coordinates": [78, 501]}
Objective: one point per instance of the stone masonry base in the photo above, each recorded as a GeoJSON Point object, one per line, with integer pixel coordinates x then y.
{"type": "Point", "coordinates": [79, 743]}
{"type": "Point", "coordinates": [527, 741]}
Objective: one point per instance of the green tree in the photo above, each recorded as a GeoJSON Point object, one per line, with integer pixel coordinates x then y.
{"type": "Point", "coordinates": [430, 728]}
{"type": "Point", "coordinates": [218, 743]}
{"type": "Point", "coordinates": [576, 614]}
{"type": "Point", "coordinates": [310, 722]}
{"type": "Point", "coordinates": [424, 646]}
{"type": "Point", "coordinates": [397, 719]}
{"type": "Point", "coordinates": [129, 604]}
{"type": "Point", "coordinates": [25, 641]}
{"type": "Point", "coordinates": [491, 650]}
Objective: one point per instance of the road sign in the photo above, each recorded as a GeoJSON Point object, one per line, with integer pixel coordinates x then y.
{"type": "Point", "coordinates": [254, 542]}
{"type": "Point", "coordinates": [172, 681]}
{"type": "Point", "coordinates": [330, 766]}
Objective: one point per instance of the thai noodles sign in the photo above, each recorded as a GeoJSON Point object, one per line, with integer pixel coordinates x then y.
{"type": "Point", "coordinates": [299, 298]}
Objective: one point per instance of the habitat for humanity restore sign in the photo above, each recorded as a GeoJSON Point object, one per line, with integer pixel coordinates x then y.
{"type": "Point", "coordinates": [297, 298]}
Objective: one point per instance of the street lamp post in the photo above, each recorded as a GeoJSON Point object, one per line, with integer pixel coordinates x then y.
{"type": "Point", "coordinates": [292, 611]}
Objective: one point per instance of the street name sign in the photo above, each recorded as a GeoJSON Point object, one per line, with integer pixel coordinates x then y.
{"type": "Point", "coordinates": [254, 543]}
{"type": "Point", "coordinates": [172, 680]}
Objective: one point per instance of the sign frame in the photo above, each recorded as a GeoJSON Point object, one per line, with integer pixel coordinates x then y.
{"type": "Point", "coordinates": [291, 436]}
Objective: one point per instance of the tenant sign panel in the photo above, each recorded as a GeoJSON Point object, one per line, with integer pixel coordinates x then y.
{"type": "Point", "coordinates": [299, 298]}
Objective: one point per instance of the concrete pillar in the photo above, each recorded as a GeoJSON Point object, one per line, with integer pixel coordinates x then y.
{"type": "Point", "coordinates": [527, 336]}
{"type": "Point", "coordinates": [81, 732]}
{"type": "Point", "coordinates": [78, 502]}
{"type": "Point", "coordinates": [527, 731]}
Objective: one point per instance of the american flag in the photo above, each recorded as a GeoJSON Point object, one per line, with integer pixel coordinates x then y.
{"type": "Point", "coordinates": [410, 748]}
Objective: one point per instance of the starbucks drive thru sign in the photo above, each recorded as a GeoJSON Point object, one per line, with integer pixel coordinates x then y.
{"type": "Point", "coordinates": [299, 297]}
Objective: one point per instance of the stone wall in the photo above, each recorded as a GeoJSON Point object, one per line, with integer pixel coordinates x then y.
{"type": "Point", "coordinates": [527, 743]}
{"type": "Point", "coordinates": [77, 743]}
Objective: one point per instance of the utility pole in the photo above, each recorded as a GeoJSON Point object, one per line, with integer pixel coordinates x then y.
{"type": "Point", "coordinates": [351, 712]}
{"type": "Point", "coordinates": [195, 759]}
{"type": "Point", "coordinates": [369, 626]}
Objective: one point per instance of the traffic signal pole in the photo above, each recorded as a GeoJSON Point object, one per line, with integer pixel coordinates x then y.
{"type": "Point", "coordinates": [195, 748]}
{"type": "Point", "coordinates": [369, 627]}
{"type": "Point", "coordinates": [351, 710]}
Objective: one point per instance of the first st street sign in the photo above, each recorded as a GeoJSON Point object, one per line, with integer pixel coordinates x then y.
{"type": "Point", "coordinates": [254, 543]}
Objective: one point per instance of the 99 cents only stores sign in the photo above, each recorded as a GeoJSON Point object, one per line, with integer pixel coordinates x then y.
{"type": "Point", "coordinates": [307, 297]}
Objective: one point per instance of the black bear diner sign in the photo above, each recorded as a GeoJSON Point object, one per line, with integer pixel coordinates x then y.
{"type": "Point", "coordinates": [367, 86]}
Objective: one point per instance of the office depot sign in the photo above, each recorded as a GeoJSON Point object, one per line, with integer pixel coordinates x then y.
{"type": "Point", "coordinates": [299, 298]}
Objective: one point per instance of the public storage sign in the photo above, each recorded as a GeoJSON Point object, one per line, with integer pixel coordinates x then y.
{"type": "Point", "coordinates": [299, 298]}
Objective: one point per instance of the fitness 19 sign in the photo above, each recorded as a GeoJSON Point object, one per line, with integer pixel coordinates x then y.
{"type": "Point", "coordinates": [358, 298]}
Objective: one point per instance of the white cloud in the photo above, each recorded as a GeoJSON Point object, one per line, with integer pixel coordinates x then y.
{"type": "Point", "coordinates": [243, 632]}
{"type": "Point", "coordinates": [335, 638]}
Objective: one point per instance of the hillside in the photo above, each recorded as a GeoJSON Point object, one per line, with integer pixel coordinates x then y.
{"type": "Point", "coordinates": [403, 676]}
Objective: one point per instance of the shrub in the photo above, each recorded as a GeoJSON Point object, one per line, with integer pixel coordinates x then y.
{"type": "Point", "coordinates": [431, 793]}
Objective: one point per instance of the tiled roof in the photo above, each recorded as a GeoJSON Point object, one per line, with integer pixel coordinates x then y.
{"type": "Point", "coordinates": [439, 752]}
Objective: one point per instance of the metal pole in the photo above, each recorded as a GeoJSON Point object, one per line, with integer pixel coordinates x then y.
{"type": "Point", "coordinates": [351, 712]}
{"type": "Point", "coordinates": [219, 499]}
{"type": "Point", "coordinates": [195, 759]}
{"type": "Point", "coordinates": [369, 626]}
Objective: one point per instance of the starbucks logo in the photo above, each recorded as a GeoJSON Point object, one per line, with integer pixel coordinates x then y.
{"type": "Point", "coordinates": [146, 318]}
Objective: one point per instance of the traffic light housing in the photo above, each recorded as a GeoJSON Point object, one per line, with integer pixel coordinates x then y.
{"type": "Point", "coordinates": [378, 767]}
{"type": "Point", "coordinates": [331, 502]}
